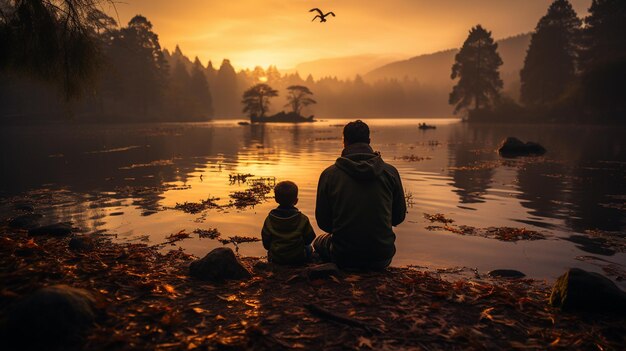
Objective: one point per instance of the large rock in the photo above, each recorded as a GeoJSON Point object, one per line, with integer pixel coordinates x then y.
{"type": "Point", "coordinates": [218, 265]}
{"type": "Point", "coordinates": [512, 147]}
{"type": "Point", "coordinates": [587, 291]}
{"type": "Point", "coordinates": [58, 229]}
{"type": "Point", "coordinates": [53, 318]}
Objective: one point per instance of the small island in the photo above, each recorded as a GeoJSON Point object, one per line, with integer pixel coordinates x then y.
{"type": "Point", "coordinates": [256, 104]}
{"type": "Point", "coordinates": [283, 117]}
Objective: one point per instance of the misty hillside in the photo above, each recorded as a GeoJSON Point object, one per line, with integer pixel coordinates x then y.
{"type": "Point", "coordinates": [343, 67]}
{"type": "Point", "coordinates": [434, 69]}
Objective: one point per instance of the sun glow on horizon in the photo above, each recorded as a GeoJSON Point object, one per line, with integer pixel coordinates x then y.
{"type": "Point", "coordinates": [280, 33]}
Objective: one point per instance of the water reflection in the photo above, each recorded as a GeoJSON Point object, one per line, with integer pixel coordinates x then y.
{"type": "Point", "coordinates": [126, 179]}
{"type": "Point", "coordinates": [472, 166]}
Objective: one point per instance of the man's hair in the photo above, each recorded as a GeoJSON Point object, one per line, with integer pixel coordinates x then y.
{"type": "Point", "coordinates": [356, 132]}
{"type": "Point", "coordinates": [286, 193]}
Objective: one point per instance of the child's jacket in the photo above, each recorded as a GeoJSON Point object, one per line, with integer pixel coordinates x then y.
{"type": "Point", "coordinates": [286, 233]}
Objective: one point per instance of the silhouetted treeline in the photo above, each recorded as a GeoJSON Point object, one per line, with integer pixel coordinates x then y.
{"type": "Point", "coordinates": [574, 69]}
{"type": "Point", "coordinates": [137, 81]}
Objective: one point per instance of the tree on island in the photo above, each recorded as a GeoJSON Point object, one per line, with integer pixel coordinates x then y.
{"type": "Point", "coordinates": [477, 67]}
{"type": "Point", "coordinates": [551, 62]}
{"type": "Point", "coordinates": [256, 100]}
{"type": "Point", "coordinates": [299, 97]}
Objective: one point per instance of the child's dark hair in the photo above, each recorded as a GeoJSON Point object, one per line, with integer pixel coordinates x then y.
{"type": "Point", "coordinates": [356, 132]}
{"type": "Point", "coordinates": [286, 193]}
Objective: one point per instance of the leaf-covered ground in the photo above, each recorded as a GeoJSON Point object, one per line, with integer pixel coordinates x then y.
{"type": "Point", "coordinates": [148, 302]}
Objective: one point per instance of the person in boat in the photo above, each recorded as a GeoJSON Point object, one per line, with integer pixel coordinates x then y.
{"type": "Point", "coordinates": [359, 200]}
{"type": "Point", "coordinates": [287, 233]}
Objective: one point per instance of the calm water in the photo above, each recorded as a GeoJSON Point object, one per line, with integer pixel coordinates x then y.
{"type": "Point", "coordinates": [126, 179]}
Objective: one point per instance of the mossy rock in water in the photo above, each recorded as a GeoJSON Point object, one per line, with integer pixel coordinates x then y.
{"type": "Point", "coordinates": [512, 147]}
{"type": "Point", "coordinates": [57, 317]}
{"type": "Point", "coordinates": [579, 290]}
{"type": "Point", "coordinates": [219, 265]}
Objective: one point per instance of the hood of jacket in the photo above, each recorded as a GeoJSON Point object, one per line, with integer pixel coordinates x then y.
{"type": "Point", "coordinates": [360, 162]}
{"type": "Point", "coordinates": [284, 221]}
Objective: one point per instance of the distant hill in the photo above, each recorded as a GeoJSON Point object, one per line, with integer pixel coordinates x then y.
{"type": "Point", "coordinates": [343, 67]}
{"type": "Point", "coordinates": [434, 69]}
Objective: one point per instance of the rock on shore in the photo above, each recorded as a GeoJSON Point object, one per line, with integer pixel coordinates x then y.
{"type": "Point", "coordinates": [219, 265]}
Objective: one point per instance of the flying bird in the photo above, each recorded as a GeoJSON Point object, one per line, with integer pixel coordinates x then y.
{"type": "Point", "coordinates": [321, 15]}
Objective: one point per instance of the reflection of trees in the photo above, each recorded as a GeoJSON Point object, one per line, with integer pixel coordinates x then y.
{"type": "Point", "coordinates": [542, 189]}
{"type": "Point", "coordinates": [590, 195]}
{"type": "Point", "coordinates": [254, 135]}
{"type": "Point", "coordinates": [472, 172]}
{"type": "Point", "coordinates": [84, 163]}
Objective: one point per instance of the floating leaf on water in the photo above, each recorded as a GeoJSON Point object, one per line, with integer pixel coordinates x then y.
{"type": "Point", "coordinates": [438, 217]}
{"type": "Point", "coordinates": [211, 233]}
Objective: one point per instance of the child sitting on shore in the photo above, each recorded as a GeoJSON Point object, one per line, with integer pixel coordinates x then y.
{"type": "Point", "coordinates": [287, 233]}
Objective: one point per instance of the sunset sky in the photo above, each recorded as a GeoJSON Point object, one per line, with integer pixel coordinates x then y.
{"type": "Point", "coordinates": [280, 32]}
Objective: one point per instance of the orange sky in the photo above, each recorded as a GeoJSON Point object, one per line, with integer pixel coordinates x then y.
{"type": "Point", "coordinates": [280, 32]}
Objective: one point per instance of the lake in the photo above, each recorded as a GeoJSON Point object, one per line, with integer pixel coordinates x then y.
{"type": "Point", "coordinates": [125, 180]}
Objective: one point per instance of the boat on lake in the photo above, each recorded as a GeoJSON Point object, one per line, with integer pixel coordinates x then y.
{"type": "Point", "coordinates": [424, 126]}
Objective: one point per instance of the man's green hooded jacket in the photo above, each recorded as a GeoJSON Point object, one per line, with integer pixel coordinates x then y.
{"type": "Point", "coordinates": [359, 199]}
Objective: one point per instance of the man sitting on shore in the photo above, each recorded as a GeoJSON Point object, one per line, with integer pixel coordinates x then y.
{"type": "Point", "coordinates": [359, 199]}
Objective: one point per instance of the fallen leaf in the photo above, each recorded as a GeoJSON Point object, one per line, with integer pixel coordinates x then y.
{"type": "Point", "coordinates": [364, 342]}
{"type": "Point", "coordinates": [199, 310]}
{"type": "Point", "coordinates": [555, 342]}
{"type": "Point", "coordinates": [170, 289]}
{"type": "Point", "coordinates": [486, 314]}
{"type": "Point", "coordinates": [228, 298]}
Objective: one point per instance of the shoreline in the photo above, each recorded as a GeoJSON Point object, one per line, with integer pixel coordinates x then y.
{"type": "Point", "coordinates": [148, 301]}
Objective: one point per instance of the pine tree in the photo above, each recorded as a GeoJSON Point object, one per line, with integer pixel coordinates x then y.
{"type": "Point", "coordinates": [605, 59]}
{"type": "Point", "coordinates": [551, 62]}
{"type": "Point", "coordinates": [476, 65]}
{"type": "Point", "coordinates": [200, 91]}
{"type": "Point", "coordinates": [226, 92]}
{"type": "Point", "coordinates": [141, 66]}
{"type": "Point", "coordinates": [605, 32]}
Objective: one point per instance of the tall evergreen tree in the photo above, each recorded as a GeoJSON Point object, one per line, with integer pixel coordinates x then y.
{"type": "Point", "coordinates": [605, 59]}
{"type": "Point", "coordinates": [477, 67]}
{"type": "Point", "coordinates": [551, 62]}
{"type": "Point", "coordinates": [200, 91]}
{"type": "Point", "coordinates": [605, 32]}
{"type": "Point", "coordinates": [226, 92]}
{"type": "Point", "coordinates": [181, 102]}
{"type": "Point", "coordinates": [142, 65]}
